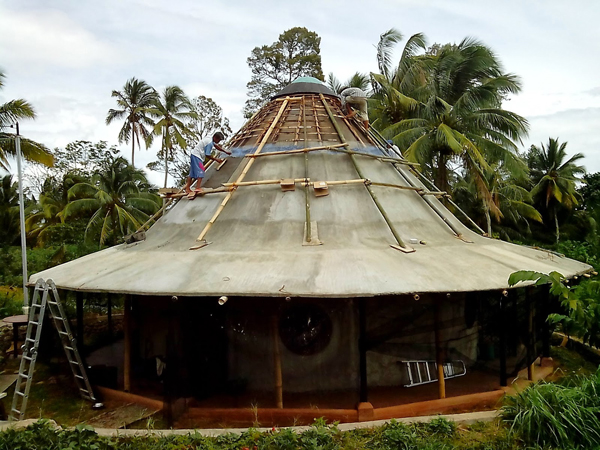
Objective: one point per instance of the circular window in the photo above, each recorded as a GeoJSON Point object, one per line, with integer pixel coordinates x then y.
{"type": "Point", "coordinates": [305, 329]}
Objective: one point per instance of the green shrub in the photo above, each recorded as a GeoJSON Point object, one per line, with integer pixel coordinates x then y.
{"type": "Point", "coordinates": [561, 416]}
{"type": "Point", "coordinates": [11, 301]}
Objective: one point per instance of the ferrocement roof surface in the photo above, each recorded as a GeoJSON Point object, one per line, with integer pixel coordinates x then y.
{"type": "Point", "coordinates": [256, 244]}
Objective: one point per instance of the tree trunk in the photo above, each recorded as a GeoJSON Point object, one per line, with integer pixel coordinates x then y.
{"type": "Point", "coordinates": [132, 144]}
{"type": "Point", "coordinates": [166, 147]}
{"type": "Point", "coordinates": [488, 220]}
{"type": "Point", "coordinates": [442, 175]}
{"type": "Point", "coordinates": [556, 224]}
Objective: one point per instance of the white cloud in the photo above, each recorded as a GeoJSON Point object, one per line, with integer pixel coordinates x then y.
{"type": "Point", "coordinates": [44, 37]}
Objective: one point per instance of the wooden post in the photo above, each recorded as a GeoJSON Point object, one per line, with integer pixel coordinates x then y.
{"type": "Point", "coordinates": [362, 350]}
{"type": "Point", "coordinates": [530, 338]}
{"type": "Point", "coordinates": [109, 314]}
{"type": "Point", "coordinates": [277, 362]}
{"type": "Point", "coordinates": [79, 313]}
{"type": "Point", "coordinates": [439, 356]}
{"type": "Point", "coordinates": [544, 297]}
{"type": "Point", "coordinates": [502, 335]}
{"type": "Point", "coordinates": [127, 344]}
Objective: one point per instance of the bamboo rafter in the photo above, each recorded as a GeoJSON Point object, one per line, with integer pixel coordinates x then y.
{"type": "Point", "coordinates": [244, 172]}
{"type": "Point", "coordinates": [371, 193]}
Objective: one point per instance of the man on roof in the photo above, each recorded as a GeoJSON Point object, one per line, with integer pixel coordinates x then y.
{"type": "Point", "coordinates": [203, 150]}
{"type": "Point", "coordinates": [354, 102]}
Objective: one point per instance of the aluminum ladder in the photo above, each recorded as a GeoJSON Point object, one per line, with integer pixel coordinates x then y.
{"type": "Point", "coordinates": [46, 295]}
{"type": "Point", "coordinates": [422, 371]}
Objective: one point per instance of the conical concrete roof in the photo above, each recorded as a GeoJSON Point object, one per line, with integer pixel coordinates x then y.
{"type": "Point", "coordinates": [379, 230]}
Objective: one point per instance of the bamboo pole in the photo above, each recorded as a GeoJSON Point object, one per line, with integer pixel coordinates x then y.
{"type": "Point", "coordinates": [373, 196]}
{"type": "Point", "coordinates": [244, 172]}
{"type": "Point", "coordinates": [378, 137]}
{"type": "Point", "coordinates": [306, 193]}
{"type": "Point", "coordinates": [277, 362]}
{"type": "Point", "coordinates": [298, 150]}
{"type": "Point", "coordinates": [438, 351]}
{"type": "Point", "coordinates": [335, 148]}
{"type": "Point", "coordinates": [127, 344]}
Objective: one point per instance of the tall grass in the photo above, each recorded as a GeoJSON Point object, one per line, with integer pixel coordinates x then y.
{"type": "Point", "coordinates": [555, 415]}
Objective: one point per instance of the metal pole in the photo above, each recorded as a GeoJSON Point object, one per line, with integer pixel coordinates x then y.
{"type": "Point", "coordinates": [22, 220]}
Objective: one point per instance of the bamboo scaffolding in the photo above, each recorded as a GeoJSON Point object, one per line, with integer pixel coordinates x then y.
{"type": "Point", "coordinates": [373, 196]}
{"type": "Point", "coordinates": [243, 174]}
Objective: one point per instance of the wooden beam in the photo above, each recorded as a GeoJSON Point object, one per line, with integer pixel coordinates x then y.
{"type": "Point", "coordinates": [502, 335]}
{"type": "Point", "coordinates": [362, 350]}
{"type": "Point", "coordinates": [79, 312]}
{"type": "Point", "coordinates": [439, 354]}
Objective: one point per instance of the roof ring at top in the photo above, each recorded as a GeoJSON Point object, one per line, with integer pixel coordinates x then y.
{"type": "Point", "coordinates": [305, 85]}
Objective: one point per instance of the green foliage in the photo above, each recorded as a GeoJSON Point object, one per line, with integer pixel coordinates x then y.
{"type": "Point", "coordinates": [9, 211]}
{"type": "Point", "coordinates": [295, 54]}
{"type": "Point", "coordinates": [581, 304]}
{"type": "Point", "coordinates": [558, 416]}
{"type": "Point", "coordinates": [399, 436]}
{"type": "Point", "coordinates": [11, 301]}
{"type": "Point", "coordinates": [393, 436]}
{"type": "Point", "coordinates": [118, 200]}
{"type": "Point", "coordinates": [441, 427]}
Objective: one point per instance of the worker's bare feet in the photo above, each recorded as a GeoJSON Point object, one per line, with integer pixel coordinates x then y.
{"type": "Point", "coordinates": [198, 191]}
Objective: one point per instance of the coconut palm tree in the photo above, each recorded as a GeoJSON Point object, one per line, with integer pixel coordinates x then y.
{"type": "Point", "coordinates": [462, 120]}
{"type": "Point", "coordinates": [172, 110]}
{"type": "Point", "coordinates": [554, 178]}
{"type": "Point", "coordinates": [397, 88]}
{"type": "Point", "coordinates": [10, 113]}
{"type": "Point", "coordinates": [47, 217]}
{"type": "Point", "coordinates": [118, 199]}
{"type": "Point", "coordinates": [134, 100]}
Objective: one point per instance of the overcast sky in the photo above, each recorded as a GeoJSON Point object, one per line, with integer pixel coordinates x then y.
{"type": "Point", "coordinates": [66, 56]}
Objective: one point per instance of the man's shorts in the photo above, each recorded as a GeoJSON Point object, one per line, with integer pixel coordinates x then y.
{"type": "Point", "coordinates": [196, 167]}
{"type": "Point", "coordinates": [359, 103]}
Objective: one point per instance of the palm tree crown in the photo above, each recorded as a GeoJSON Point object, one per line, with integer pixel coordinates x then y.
{"type": "Point", "coordinates": [10, 113]}
{"type": "Point", "coordinates": [461, 118]}
{"type": "Point", "coordinates": [172, 110]}
{"type": "Point", "coordinates": [554, 177]}
{"type": "Point", "coordinates": [117, 200]}
{"type": "Point", "coordinates": [134, 101]}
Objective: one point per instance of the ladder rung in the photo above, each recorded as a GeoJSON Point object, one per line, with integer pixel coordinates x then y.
{"type": "Point", "coordinates": [20, 393]}
{"type": "Point", "coordinates": [15, 410]}
{"type": "Point", "coordinates": [69, 348]}
{"type": "Point", "coordinates": [23, 375]}
{"type": "Point", "coordinates": [52, 303]}
{"type": "Point", "coordinates": [74, 362]}
{"type": "Point", "coordinates": [34, 323]}
{"type": "Point", "coordinates": [79, 376]}
{"type": "Point", "coordinates": [36, 305]}
{"type": "Point", "coordinates": [63, 333]}
{"type": "Point", "coordinates": [27, 358]}
{"type": "Point", "coordinates": [30, 340]}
